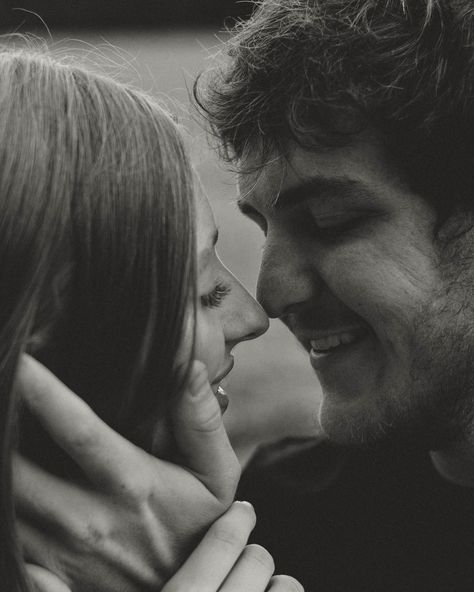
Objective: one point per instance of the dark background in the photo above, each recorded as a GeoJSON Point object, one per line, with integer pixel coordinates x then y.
{"type": "Point", "coordinates": [83, 14]}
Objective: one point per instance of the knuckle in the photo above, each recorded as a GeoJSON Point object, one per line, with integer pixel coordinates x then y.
{"type": "Point", "coordinates": [134, 492]}
{"type": "Point", "coordinates": [260, 556]}
{"type": "Point", "coordinates": [135, 487]}
{"type": "Point", "coordinates": [83, 436]}
{"type": "Point", "coordinates": [97, 533]}
{"type": "Point", "coordinates": [87, 536]}
{"type": "Point", "coordinates": [282, 583]}
{"type": "Point", "coordinates": [209, 421]}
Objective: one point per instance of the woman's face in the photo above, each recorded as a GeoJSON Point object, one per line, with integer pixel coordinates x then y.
{"type": "Point", "coordinates": [226, 314]}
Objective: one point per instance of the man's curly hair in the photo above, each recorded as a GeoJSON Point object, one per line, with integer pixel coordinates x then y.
{"type": "Point", "coordinates": [318, 72]}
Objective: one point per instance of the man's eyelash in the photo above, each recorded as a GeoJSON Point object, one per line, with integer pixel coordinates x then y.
{"type": "Point", "coordinates": [216, 296]}
{"type": "Point", "coordinates": [336, 227]}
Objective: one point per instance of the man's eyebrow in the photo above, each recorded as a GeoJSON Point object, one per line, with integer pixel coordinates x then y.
{"type": "Point", "coordinates": [319, 186]}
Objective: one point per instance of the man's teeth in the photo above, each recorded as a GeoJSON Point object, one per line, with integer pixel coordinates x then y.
{"type": "Point", "coordinates": [332, 341]}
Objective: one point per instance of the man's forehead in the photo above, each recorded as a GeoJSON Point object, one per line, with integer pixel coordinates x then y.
{"type": "Point", "coordinates": [355, 171]}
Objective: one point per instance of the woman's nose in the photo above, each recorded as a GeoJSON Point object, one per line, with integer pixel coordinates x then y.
{"type": "Point", "coordinates": [244, 319]}
{"type": "Point", "coordinates": [257, 320]}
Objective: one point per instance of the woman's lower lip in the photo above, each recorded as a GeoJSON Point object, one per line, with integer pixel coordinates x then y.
{"type": "Point", "coordinates": [222, 398]}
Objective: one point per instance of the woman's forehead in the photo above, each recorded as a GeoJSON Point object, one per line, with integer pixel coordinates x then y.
{"type": "Point", "coordinates": [206, 230]}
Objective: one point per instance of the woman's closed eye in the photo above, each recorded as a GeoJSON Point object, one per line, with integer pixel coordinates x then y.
{"type": "Point", "coordinates": [216, 296]}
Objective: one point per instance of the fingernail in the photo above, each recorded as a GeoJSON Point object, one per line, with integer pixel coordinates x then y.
{"type": "Point", "coordinates": [249, 509]}
{"type": "Point", "coordinates": [244, 504]}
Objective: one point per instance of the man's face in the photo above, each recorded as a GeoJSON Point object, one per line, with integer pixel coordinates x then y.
{"type": "Point", "coordinates": [352, 266]}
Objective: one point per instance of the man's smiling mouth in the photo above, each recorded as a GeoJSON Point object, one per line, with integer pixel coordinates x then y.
{"type": "Point", "coordinates": [331, 342]}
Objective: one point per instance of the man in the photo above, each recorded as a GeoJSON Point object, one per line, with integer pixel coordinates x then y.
{"type": "Point", "coordinates": [352, 126]}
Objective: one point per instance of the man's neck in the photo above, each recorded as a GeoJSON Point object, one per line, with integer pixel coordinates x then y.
{"type": "Point", "coordinates": [456, 463]}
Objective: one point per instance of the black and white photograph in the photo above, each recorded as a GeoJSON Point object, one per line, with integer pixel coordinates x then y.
{"type": "Point", "coordinates": [236, 281]}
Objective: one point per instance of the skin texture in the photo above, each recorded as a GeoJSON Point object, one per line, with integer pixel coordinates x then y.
{"type": "Point", "coordinates": [355, 251]}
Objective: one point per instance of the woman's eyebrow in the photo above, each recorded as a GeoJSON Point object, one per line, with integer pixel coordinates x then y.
{"type": "Point", "coordinates": [323, 188]}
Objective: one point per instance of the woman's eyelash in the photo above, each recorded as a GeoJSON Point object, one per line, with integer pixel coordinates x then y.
{"type": "Point", "coordinates": [216, 296]}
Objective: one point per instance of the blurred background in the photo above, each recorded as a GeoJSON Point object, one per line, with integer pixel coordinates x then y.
{"type": "Point", "coordinates": [160, 46]}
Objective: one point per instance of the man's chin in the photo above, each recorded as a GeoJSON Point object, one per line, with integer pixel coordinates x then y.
{"type": "Point", "coordinates": [361, 424]}
{"type": "Point", "coordinates": [349, 421]}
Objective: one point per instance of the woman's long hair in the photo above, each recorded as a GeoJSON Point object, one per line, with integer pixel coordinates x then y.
{"type": "Point", "coordinates": [97, 265]}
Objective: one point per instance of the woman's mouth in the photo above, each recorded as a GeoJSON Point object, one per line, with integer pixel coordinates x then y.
{"type": "Point", "coordinates": [222, 398]}
{"type": "Point", "coordinates": [219, 392]}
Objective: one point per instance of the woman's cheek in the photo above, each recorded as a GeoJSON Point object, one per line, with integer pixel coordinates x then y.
{"type": "Point", "coordinates": [210, 344]}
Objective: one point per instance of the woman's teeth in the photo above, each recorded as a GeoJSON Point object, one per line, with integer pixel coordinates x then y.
{"type": "Point", "coordinates": [222, 398]}
{"type": "Point", "coordinates": [326, 344]}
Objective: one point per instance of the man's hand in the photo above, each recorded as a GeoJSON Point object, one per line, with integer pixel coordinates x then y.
{"type": "Point", "coordinates": [140, 516]}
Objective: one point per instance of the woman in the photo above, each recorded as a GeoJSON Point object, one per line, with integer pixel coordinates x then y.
{"type": "Point", "coordinates": [100, 275]}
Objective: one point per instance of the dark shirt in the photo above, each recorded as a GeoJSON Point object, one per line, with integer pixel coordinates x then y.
{"type": "Point", "coordinates": [381, 521]}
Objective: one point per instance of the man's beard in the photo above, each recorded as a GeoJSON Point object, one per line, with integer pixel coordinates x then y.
{"type": "Point", "coordinates": [438, 398]}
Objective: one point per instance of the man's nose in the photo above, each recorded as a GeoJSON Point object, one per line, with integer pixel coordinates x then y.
{"type": "Point", "coordinates": [286, 279]}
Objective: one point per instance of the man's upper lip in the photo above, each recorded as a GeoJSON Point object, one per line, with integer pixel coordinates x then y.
{"type": "Point", "coordinates": [224, 373]}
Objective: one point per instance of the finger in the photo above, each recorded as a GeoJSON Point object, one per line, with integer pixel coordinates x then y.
{"type": "Point", "coordinates": [252, 572]}
{"type": "Point", "coordinates": [217, 553]}
{"type": "Point", "coordinates": [202, 438]}
{"type": "Point", "coordinates": [43, 580]}
{"type": "Point", "coordinates": [44, 497]}
{"type": "Point", "coordinates": [34, 546]}
{"type": "Point", "coordinates": [102, 453]}
{"type": "Point", "coordinates": [284, 584]}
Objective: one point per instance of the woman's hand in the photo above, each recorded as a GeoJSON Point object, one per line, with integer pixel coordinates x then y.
{"type": "Point", "coordinates": [139, 517]}
{"type": "Point", "coordinates": [223, 562]}
{"type": "Point", "coordinates": [42, 580]}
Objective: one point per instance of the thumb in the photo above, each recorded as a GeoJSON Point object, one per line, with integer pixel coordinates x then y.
{"type": "Point", "coordinates": [201, 437]}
